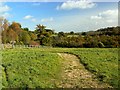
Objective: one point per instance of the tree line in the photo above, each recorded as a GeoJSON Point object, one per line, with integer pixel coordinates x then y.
{"type": "Point", "coordinates": [14, 33]}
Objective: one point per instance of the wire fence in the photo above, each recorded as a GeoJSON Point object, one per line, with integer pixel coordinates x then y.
{"type": "Point", "coordinates": [10, 46]}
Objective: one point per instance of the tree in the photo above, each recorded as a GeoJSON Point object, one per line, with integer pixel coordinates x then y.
{"type": "Point", "coordinates": [11, 35]}
{"type": "Point", "coordinates": [4, 25]}
{"type": "Point", "coordinates": [61, 34]}
{"type": "Point", "coordinates": [71, 32]}
{"type": "Point", "coordinates": [40, 32]}
{"type": "Point", "coordinates": [33, 36]}
{"type": "Point", "coordinates": [40, 28]}
{"type": "Point", "coordinates": [26, 29]}
{"type": "Point", "coordinates": [50, 31]}
{"type": "Point", "coordinates": [25, 37]}
{"type": "Point", "coordinates": [1, 24]}
{"type": "Point", "coordinates": [84, 33]}
{"type": "Point", "coordinates": [16, 27]}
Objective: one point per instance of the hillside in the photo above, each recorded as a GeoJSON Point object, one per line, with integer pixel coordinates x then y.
{"type": "Point", "coordinates": [106, 31]}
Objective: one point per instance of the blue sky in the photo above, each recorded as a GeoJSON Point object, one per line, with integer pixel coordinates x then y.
{"type": "Point", "coordinates": [67, 16]}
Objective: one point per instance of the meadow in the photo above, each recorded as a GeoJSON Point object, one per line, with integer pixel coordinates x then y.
{"type": "Point", "coordinates": [42, 67]}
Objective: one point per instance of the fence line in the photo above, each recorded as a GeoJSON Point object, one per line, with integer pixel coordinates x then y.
{"type": "Point", "coordinates": [7, 46]}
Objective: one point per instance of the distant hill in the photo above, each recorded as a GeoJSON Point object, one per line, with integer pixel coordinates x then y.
{"type": "Point", "coordinates": [105, 31]}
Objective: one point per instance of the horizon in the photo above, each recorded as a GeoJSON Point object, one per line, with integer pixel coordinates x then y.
{"type": "Point", "coordinates": [67, 16]}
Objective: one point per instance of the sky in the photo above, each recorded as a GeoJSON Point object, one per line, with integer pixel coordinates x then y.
{"type": "Point", "coordinates": [77, 16]}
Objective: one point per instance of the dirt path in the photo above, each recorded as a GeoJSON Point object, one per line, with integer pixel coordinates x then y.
{"type": "Point", "coordinates": [74, 74]}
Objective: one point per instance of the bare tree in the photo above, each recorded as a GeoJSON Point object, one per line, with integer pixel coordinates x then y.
{"type": "Point", "coordinates": [1, 28]}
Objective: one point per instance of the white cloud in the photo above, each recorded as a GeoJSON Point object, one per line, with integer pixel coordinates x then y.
{"type": "Point", "coordinates": [109, 21]}
{"type": "Point", "coordinates": [6, 15]}
{"type": "Point", "coordinates": [47, 19]}
{"type": "Point", "coordinates": [96, 17]}
{"type": "Point", "coordinates": [78, 22]}
{"type": "Point", "coordinates": [109, 16]}
{"type": "Point", "coordinates": [34, 20]}
{"type": "Point", "coordinates": [28, 17]}
{"type": "Point", "coordinates": [4, 10]}
{"type": "Point", "coordinates": [80, 4]}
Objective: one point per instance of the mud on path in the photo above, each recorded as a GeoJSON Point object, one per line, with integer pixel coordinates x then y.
{"type": "Point", "coordinates": [74, 75]}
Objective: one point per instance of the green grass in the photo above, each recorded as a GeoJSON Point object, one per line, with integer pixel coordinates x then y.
{"type": "Point", "coordinates": [29, 68]}
{"type": "Point", "coordinates": [72, 35]}
{"type": "Point", "coordinates": [102, 62]}
{"type": "Point", "coordinates": [42, 67]}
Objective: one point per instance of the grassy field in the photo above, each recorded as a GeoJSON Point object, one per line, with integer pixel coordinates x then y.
{"type": "Point", "coordinates": [102, 62]}
{"type": "Point", "coordinates": [33, 67]}
{"type": "Point", "coordinates": [29, 68]}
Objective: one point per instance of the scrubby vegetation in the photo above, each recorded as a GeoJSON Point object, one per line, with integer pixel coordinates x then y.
{"type": "Point", "coordinates": [15, 33]}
